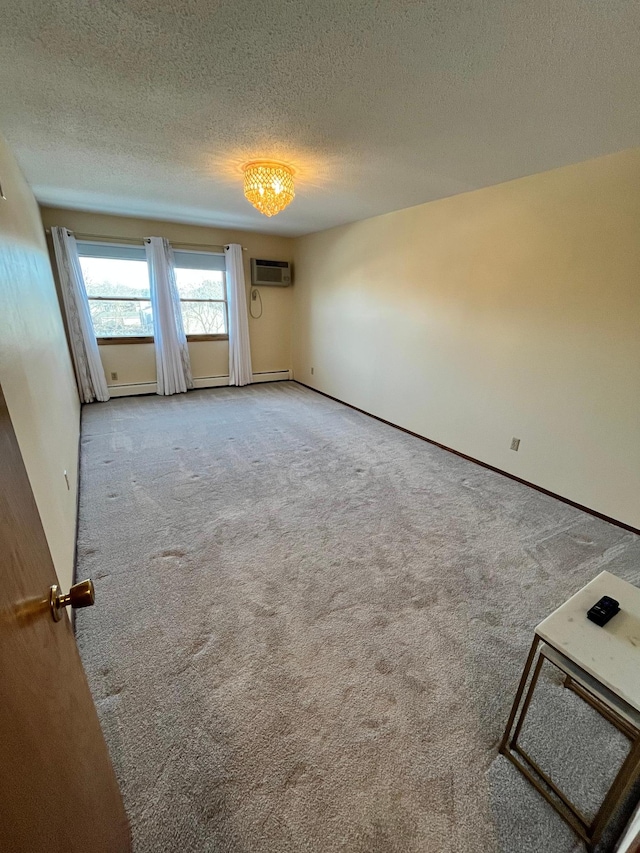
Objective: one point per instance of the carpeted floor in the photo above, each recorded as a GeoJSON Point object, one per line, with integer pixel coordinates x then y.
{"type": "Point", "coordinates": [309, 629]}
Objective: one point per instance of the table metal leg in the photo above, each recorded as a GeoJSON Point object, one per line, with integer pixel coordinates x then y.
{"type": "Point", "coordinates": [527, 701]}
{"type": "Point", "coordinates": [621, 784]}
{"type": "Point", "coordinates": [519, 692]}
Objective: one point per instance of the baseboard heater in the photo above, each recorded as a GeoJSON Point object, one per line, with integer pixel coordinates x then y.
{"type": "Point", "coordinates": [138, 388]}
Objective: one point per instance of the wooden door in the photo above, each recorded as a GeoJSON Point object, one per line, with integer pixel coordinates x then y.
{"type": "Point", "coordinates": [58, 791]}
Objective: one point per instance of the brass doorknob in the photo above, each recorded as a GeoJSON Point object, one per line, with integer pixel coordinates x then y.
{"type": "Point", "coordinates": [80, 595]}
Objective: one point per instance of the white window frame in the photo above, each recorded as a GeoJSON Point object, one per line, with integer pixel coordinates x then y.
{"type": "Point", "coordinates": [118, 252]}
{"type": "Point", "coordinates": [184, 258]}
{"type": "Point", "coordinates": [215, 261]}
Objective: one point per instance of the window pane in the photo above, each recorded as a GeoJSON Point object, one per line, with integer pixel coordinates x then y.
{"type": "Point", "coordinates": [121, 319]}
{"type": "Point", "coordinates": [111, 277]}
{"type": "Point", "coordinates": [204, 318]}
{"type": "Point", "coordinates": [200, 284]}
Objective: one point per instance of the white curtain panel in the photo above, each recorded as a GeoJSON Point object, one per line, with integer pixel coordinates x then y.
{"type": "Point", "coordinates": [173, 368]}
{"type": "Point", "coordinates": [240, 372]}
{"type": "Point", "coordinates": [92, 384]}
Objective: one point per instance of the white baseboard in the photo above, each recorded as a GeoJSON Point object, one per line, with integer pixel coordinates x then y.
{"type": "Point", "coordinates": [132, 390]}
{"type": "Point", "coordinates": [271, 376]}
{"type": "Point", "coordinates": [211, 382]}
{"type": "Point", "coordinates": [203, 382]}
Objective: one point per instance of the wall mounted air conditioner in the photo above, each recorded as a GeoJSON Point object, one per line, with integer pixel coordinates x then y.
{"type": "Point", "coordinates": [276, 273]}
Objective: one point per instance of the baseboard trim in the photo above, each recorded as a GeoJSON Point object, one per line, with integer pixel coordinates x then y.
{"type": "Point", "coordinates": [139, 388]}
{"type": "Point", "coordinates": [132, 390]}
{"type": "Point", "coordinates": [272, 376]}
{"type": "Point", "coordinates": [486, 465]}
{"type": "Point", "coordinates": [211, 382]}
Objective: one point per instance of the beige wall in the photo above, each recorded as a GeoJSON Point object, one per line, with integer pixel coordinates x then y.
{"type": "Point", "coordinates": [35, 368]}
{"type": "Point", "coordinates": [510, 311]}
{"type": "Point", "coordinates": [270, 335]}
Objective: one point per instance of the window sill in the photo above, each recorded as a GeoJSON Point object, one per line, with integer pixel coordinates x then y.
{"type": "Point", "coordinates": [149, 340]}
{"type": "Point", "coordinates": [126, 340]}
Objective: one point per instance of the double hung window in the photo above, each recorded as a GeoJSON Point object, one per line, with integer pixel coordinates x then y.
{"type": "Point", "coordinates": [117, 282]}
{"type": "Point", "coordinates": [203, 293]}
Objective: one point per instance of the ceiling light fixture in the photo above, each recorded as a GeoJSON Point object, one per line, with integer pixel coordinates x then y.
{"type": "Point", "coordinates": [268, 185]}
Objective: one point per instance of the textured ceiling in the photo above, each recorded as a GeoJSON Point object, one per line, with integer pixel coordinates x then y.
{"type": "Point", "coordinates": [148, 107]}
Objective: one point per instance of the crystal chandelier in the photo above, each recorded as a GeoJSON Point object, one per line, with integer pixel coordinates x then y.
{"type": "Point", "coordinates": [268, 186]}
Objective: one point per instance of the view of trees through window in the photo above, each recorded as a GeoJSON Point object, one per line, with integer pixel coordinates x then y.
{"type": "Point", "coordinates": [202, 297]}
{"type": "Point", "coordinates": [119, 299]}
{"type": "Point", "coordinates": [118, 292]}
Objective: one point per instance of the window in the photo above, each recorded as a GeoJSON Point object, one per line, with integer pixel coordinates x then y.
{"type": "Point", "coordinates": [117, 285]}
{"type": "Point", "coordinates": [203, 293]}
{"type": "Point", "coordinates": [117, 282]}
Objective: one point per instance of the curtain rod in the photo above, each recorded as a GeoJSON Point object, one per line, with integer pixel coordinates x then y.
{"type": "Point", "coordinates": [105, 238]}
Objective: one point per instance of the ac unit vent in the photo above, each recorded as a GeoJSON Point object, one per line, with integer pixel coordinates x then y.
{"type": "Point", "coordinates": [270, 273]}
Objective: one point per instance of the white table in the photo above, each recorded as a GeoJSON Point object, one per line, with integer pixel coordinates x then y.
{"type": "Point", "coordinates": [602, 665]}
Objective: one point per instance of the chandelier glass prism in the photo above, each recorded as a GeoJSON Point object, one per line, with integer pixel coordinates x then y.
{"type": "Point", "coordinates": [268, 185]}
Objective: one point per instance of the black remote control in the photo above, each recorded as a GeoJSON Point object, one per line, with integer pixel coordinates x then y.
{"type": "Point", "coordinates": [603, 610]}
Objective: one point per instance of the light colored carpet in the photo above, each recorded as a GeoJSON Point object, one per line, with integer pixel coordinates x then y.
{"type": "Point", "coordinates": [309, 629]}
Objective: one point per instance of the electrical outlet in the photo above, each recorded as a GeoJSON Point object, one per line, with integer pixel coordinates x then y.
{"type": "Point", "coordinates": [515, 443]}
{"type": "Point", "coordinates": [312, 371]}
{"type": "Point", "coordinates": [254, 294]}
{"type": "Point", "coordinates": [114, 376]}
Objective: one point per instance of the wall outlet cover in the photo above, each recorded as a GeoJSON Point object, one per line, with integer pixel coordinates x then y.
{"type": "Point", "coordinates": [515, 443]}
{"type": "Point", "coordinates": [114, 376]}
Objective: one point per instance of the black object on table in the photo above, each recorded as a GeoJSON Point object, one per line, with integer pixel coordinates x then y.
{"type": "Point", "coordinates": [603, 610]}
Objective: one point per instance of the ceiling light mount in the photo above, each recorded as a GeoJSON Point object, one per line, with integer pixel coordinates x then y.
{"type": "Point", "coordinates": [268, 185]}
